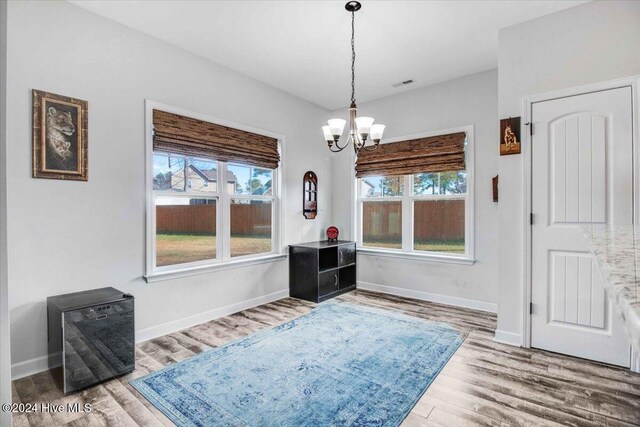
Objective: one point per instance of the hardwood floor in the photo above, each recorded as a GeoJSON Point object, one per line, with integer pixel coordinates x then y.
{"type": "Point", "coordinates": [484, 383]}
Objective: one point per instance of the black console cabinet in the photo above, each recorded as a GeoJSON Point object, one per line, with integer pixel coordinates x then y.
{"type": "Point", "coordinates": [321, 270]}
{"type": "Point", "coordinates": [92, 335]}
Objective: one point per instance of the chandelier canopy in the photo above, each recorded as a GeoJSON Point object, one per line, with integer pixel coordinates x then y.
{"type": "Point", "coordinates": [360, 128]}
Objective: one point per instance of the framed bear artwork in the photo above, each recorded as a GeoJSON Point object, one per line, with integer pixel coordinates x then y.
{"type": "Point", "coordinates": [59, 137]}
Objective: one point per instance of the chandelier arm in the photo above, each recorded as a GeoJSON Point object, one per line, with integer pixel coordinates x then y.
{"type": "Point", "coordinates": [358, 144]}
{"type": "Point", "coordinates": [340, 148]}
{"type": "Point", "coordinates": [364, 146]}
{"type": "Point", "coordinates": [337, 148]}
{"type": "Point", "coordinates": [370, 147]}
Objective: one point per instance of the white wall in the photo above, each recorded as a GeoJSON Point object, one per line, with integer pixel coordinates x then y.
{"type": "Point", "coordinates": [470, 100]}
{"type": "Point", "coordinates": [67, 236]}
{"type": "Point", "coordinates": [593, 42]}
{"type": "Point", "coordinates": [5, 354]}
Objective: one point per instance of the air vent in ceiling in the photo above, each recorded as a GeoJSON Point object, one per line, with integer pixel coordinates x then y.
{"type": "Point", "coordinates": [403, 83]}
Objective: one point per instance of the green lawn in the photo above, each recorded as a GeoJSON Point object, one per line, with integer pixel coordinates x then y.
{"type": "Point", "coordinates": [455, 246]}
{"type": "Point", "coordinates": [174, 249]}
{"type": "Point", "coordinates": [452, 246]}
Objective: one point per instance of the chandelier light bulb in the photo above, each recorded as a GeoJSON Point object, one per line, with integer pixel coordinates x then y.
{"type": "Point", "coordinates": [376, 132]}
{"type": "Point", "coordinates": [337, 127]}
{"type": "Point", "coordinates": [363, 124]}
{"type": "Point", "coordinates": [326, 130]}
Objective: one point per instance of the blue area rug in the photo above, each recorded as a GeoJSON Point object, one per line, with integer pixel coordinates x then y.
{"type": "Point", "coordinates": [340, 365]}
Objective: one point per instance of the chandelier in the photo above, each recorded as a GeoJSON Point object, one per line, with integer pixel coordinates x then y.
{"type": "Point", "coordinates": [360, 128]}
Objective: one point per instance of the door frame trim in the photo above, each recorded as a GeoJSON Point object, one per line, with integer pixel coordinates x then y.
{"type": "Point", "coordinates": [527, 103]}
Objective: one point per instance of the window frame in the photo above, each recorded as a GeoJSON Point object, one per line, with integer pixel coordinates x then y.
{"type": "Point", "coordinates": [223, 199]}
{"type": "Point", "coordinates": [408, 199]}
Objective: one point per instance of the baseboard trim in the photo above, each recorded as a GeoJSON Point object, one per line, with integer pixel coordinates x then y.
{"type": "Point", "coordinates": [426, 296]}
{"type": "Point", "coordinates": [509, 338]}
{"type": "Point", "coordinates": [187, 322]}
{"type": "Point", "coordinates": [29, 367]}
{"type": "Point", "coordinates": [40, 364]}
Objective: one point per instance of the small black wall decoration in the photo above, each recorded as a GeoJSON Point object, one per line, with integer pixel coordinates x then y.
{"type": "Point", "coordinates": [494, 185]}
{"type": "Point", "coordinates": [510, 136]}
{"type": "Point", "coordinates": [310, 195]}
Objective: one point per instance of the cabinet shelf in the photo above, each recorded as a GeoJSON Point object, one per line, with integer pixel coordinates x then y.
{"type": "Point", "coordinates": [323, 270]}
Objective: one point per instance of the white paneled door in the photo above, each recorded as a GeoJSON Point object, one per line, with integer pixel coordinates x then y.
{"type": "Point", "coordinates": [582, 173]}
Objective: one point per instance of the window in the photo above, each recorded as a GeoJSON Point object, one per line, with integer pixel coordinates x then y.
{"type": "Point", "coordinates": [205, 212]}
{"type": "Point", "coordinates": [187, 197]}
{"type": "Point", "coordinates": [428, 214]}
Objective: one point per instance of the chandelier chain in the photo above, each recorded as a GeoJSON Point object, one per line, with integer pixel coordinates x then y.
{"type": "Point", "coordinates": [353, 58]}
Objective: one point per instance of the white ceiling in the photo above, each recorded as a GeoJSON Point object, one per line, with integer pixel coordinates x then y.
{"type": "Point", "coordinates": [303, 47]}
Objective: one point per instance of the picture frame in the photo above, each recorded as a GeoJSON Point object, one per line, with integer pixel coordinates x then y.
{"type": "Point", "coordinates": [510, 142]}
{"type": "Point", "coordinates": [60, 143]}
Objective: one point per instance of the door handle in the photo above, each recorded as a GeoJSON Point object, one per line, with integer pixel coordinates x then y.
{"type": "Point", "coordinates": [335, 281]}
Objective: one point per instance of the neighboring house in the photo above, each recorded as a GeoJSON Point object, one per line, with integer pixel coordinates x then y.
{"type": "Point", "coordinates": [202, 180]}
{"type": "Point", "coordinates": [368, 188]}
{"type": "Point", "coordinates": [264, 190]}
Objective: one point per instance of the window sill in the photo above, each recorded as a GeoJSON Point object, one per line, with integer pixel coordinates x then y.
{"type": "Point", "coordinates": [192, 271]}
{"type": "Point", "coordinates": [449, 259]}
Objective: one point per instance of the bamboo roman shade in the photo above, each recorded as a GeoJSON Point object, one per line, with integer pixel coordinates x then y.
{"type": "Point", "coordinates": [176, 134]}
{"type": "Point", "coordinates": [440, 153]}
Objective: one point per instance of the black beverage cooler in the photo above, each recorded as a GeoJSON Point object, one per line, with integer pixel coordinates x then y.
{"type": "Point", "coordinates": [92, 335]}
